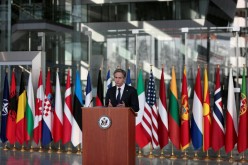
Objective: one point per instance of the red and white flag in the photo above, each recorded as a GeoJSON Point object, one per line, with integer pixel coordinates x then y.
{"type": "Point", "coordinates": [67, 115]}
{"type": "Point", "coordinates": [58, 113]}
{"type": "Point", "coordinates": [162, 114]}
{"type": "Point", "coordinates": [38, 110]}
{"type": "Point", "coordinates": [231, 117]}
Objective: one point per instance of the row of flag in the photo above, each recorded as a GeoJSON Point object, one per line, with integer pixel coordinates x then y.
{"type": "Point", "coordinates": [158, 123]}
{"type": "Point", "coordinates": [43, 119]}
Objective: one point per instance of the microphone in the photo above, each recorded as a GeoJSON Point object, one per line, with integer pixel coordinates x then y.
{"type": "Point", "coordinates": [91, 101]}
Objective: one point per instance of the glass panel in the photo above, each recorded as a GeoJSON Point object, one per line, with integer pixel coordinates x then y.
{"type": "Point", "coordinates": [122, 12]}
{"type": "Point", "coordinates": [3, 27]}
{"type": "Point", "coordinates": [105, 13]}
{"type": "Point", "coordinates": [95, 13]}
{"type": "Point", "coordinates": [112, 13]}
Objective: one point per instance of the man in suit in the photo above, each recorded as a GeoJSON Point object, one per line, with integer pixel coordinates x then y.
{"type": "Point", "coordinates": [122, 95]}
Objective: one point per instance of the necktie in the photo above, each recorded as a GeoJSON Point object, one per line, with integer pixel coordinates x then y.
{"type": "Point", "coordinates": [119, 96]}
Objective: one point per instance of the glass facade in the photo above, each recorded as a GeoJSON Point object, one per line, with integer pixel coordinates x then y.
{"type": "Point", "coordinates": [58, 28]}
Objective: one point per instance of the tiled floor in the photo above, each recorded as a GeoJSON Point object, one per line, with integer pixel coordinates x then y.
{"type": "Point", "coordinates": [10, 157]}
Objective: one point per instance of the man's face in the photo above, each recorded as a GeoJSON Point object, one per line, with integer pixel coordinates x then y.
{"type": "Point", "coordinates": [119, 79]}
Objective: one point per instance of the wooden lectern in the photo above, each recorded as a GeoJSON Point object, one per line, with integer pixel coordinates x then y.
{"type": "Point", "coordinates": [105, 144]}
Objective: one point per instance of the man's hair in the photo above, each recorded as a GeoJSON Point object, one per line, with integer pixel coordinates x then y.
{"type": "Point", "coordinates": [121, 71]}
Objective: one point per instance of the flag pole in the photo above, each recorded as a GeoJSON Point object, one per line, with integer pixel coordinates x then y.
{"type": "Point", "coordinates": [40, 149]}
{"type": "Point", "coordinates": [5, 95]}
{"type": "Point", "coordinates": [79, 149]}
{"type": "Point", "coordinates": [172, 148]}
{"type": "Point", "coordinates": [49, 148]}
{"type": "Point", "coordinates": [173, 157]}
{"type": "Point", "coordinates": [49, 145]}
{"type": "Point", "coordinates": [5, 147]}
{"type": "Point", "coordinates": [162, 154]}
{"type": "Point", "coordinates": [69, 149]}
{"type": "Point", "coordinates": [139, 153]}
{"type": "Point", "coordinates": [185, 156]}
{"type": "Point", "coordinates": [22, 148]}
{"type": "Point", "coordinates": [184, 148]}
{"type": "Point", "coordinates": [195, 156]}
{"type": "Point", "coordinates": [150, 153]}
{"type": "Point", "coordinates": [162, 149]}
{"type": "Point", "coordinates": [59, 148]}
{"type": "Point", "coordinates": [219, 159]}
{"type": "Point", "coordinates": [231, 159]}
{"type": "Point", "coordinates": [207, 156]}
{"type": "Point", "coordinates": [31, 148]}
{"type": "Point", "coordinates": [14, 147]}
{"type": "Point", "coordinates": [242, 160]}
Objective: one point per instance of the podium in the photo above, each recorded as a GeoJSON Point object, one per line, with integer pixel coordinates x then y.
{"type": "Point", "coordinates": [108, 136]}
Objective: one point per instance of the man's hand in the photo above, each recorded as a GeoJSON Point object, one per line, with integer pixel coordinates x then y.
{"type": "Point", "coordinates": [122, 104]}
{"type": "Point", "coordinates": [110, 104]}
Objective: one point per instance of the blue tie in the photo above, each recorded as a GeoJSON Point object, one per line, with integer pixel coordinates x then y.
{"type": "Point", "coordinates": [119, 96]}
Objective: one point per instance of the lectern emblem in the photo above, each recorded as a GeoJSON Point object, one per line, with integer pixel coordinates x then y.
{"type": "Point", "coordinates": [104, 122]}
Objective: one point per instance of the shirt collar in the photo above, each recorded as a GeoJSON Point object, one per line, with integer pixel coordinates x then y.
{"type": "Point", "coordinates": [122, 87]}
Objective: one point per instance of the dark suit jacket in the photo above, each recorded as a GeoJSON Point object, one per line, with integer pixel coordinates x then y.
{"type": "Point", "coordinates": [129, 97]}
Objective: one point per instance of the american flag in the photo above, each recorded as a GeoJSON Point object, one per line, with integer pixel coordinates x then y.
{"type": "Point", "coordinates": [151, 101]}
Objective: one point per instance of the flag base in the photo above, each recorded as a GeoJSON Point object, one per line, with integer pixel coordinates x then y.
{"type": "Point", "coordinates": [23, 148]}
{"type": "Point", "coordinates": [231, 159]}
{"type": "Point", "coordinates": [139, 154]}
{"type": "Point", "coordinates": [242, 159]}
{"type": "Point", "coordinates": [5, 147]}
{"type": "Point", "coordinates": [207, 158]}
{"type": "Point", "coordinates": [219, 159]}
{"type": "Point", "coordinates": [185, 156]}
{"type": "Point", "coordinates": [59, 149]}
{"type": "Point", "coordinates": [150, 155]}
{"type": "Point", "coordinates": [195, 156]}
{"type": "Point", "coordinates": [31, 149]}
{"type": "Point", "coordinates": [172, 157]}
{"type": "Point", "coordinates": [79, 152]}
{"type": "Point", "coordinates": [162, 154]}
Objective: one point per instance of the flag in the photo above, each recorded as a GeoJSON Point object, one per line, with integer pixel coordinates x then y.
{"type": "Point", "coordinates": [143, 119]}
{"type": "Point", "coordinates": [58, 113]}
{"type": "Point", "coordinates": [151, 102]}
{"type": "Point", "coordinates": [218, 118]}
{"type": "Point", "coordinates": [162, 114]}
{"type": "Point", "coordinates": [67, 115]}
{"type": "Point", "coordinates": [76, 134]}
{"type": "Point", "coordinates": [99, 96]}
{"type": "Point", "coordinates": [20, 123]}
{"type": "Point", "coordinates": [88, 97]}
{"type": "Point", "coordinates": [174, 122]}
{"type": "Point", "coordinates": [185, 128]}
{"type": "Point", "coordinates": [4, 115]}
{"type": "Point", "coordinates": [128, 79]}
{"type": "Point", "coordinates": [196, 120]}
{"type": "Point", "coordinates": [46, 137]}
{"type": "Point", "coordinates": [109, 81]}
{"type": "Point", "coordinates": [11, 121]}
{"type": "Point", "coordinates": [206, 113]}
{"type": "Point", "coordinates": [38, 110]}
{"type": "Point", "coordinates": [243, 124]}
{"type": "Point", "coordinates": [231, 117]}
{"type": "Point", "coordinates": [30, 109]}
